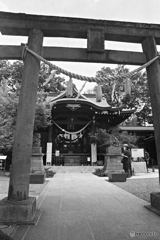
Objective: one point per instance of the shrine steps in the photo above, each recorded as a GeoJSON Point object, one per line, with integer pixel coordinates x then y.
{"type": "Point", "coordinates": [72, 169]}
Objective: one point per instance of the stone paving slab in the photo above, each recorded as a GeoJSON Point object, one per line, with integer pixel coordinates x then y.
{"type": "Point", "coordinates": [78, 206]}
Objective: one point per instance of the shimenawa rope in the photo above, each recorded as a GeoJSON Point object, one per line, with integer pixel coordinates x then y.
{"type": "Point", "coordinates": [84, 78]}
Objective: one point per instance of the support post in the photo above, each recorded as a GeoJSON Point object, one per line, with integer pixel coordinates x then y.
{"type": "Point", "coordinates": [93, 145]}
{"type": "Point", "coordinates": [153, 75]}
{"type": "Point", "coordinates": [49, 146]}
{"type": "Point", "coordinates": [50, 133]}
{"type": "Point", "coordinates": [93, 153]}
{"type": "Point", "coordinates": [22, 149]}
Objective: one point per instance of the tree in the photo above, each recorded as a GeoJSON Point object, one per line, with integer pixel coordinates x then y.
{"type": "Point", "coordinates": [113, 90]}
{"type": "Point", "coordinates": [139, 98]}
{"type": "Point", "coordinates": [142, 99]}
{"type": "Point", "coordinates": [8, 109]}
{"type": "Point", "coordinates": [57, 82]}
{"type": "Point", "coordinates": [114, 138]}
{"type": "Point", "coordinates": [125, 137]}
{"type": "Point", "coordinates": [10, 84]}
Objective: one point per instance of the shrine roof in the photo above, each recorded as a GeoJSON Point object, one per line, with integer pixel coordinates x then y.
{"type": "Point", "coordinates": [88, 99]}
{"type": "Point", "coordinates": [82, 99]}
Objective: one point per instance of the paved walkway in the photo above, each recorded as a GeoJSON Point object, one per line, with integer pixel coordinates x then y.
{"type": "Point", "coordinates": [82, 206]}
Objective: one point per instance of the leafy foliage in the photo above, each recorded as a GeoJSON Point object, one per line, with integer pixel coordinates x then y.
{"type": "Point", "coordinates": [58, 84]}
{"type": "Point", "coordinates": [113, 90]}
{"type": "Point", "coordinates": [125, 137]}
{"type": "Point", "coordinates": [115, 137]}
{"type": "Point", "coordinates": [10, 84]}
{"type": "Point", "coordinates": [49, 173]}
{"type": "Point", "coordinates": [101, 137]}
{"type": "Point", "coordinates": [139, 98]}
{"type": "Point", "coordinates": [8, 109]}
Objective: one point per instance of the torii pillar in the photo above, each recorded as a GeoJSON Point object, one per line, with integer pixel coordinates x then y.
{"type": "Point", "coordinates": [19, 206]}
{"type": "Point", "coordinates": [153, 75]}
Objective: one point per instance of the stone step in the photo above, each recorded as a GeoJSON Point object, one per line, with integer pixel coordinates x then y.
{"type": "Point", "coordinates": [82, 169]}
{"type": "Point", "coordinates": [72, 160]}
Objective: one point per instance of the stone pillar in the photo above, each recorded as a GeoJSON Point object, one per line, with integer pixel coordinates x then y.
{"type": "Point", "coordinates": [20, 170]}
{"type": "Point", "coordinates": [153, 75]}
{"type": "Point", "coordinates": [19, 207]}
{"type": "Point", "coordinates": [113, 160]}
{"type": "Point", "coordinates": [37, 171]}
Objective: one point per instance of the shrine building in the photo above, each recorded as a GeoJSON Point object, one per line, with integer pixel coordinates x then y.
{"type": "Point", "coordinates": [74, 116]}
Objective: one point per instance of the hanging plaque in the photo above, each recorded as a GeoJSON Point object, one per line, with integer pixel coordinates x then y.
{"type": "Point", "coordinates": [95, 39]}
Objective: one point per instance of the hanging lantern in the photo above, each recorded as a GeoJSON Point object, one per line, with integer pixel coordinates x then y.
{"type": "Point", "coordinates": [99, 93]}
{"type": "Point", "coordinates": [127, 86]}
{"type": "Point", "coordinates": [69, 90]}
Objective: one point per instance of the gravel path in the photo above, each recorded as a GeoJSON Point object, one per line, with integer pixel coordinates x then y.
{"type": "Point", "coordinates": [34, 189]}
{"type": "Point", "coordinates": [140, 187]}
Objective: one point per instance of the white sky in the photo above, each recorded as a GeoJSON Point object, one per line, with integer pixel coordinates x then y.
{"type": "Point", "coordinates": [145, 11]}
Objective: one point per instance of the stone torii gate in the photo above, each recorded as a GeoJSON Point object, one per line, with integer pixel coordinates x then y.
{"type": "Point", "coordinates": [96, 32]}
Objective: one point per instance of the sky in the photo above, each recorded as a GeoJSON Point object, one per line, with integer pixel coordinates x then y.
{"type": "Point", "coordinates": [144, 11]}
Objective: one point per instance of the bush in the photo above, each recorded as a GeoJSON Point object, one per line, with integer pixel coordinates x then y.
{"type": "Point", "coordinates": [49, 173]}
{"type": "Point", "coordinates": [100, 172]}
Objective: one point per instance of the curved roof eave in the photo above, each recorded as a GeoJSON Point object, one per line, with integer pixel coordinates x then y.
{"type": "Point", "coordinates": [128, 110]}
{"type": "Point", "coordinates": [103, 105]}
{"type": "Point", "coordinates": [98, 105]}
